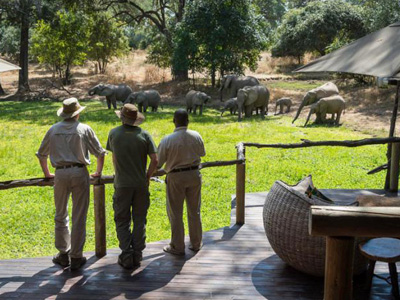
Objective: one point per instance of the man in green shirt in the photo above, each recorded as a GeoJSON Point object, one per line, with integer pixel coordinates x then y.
{"type": "Point", "coordinates": [130, 145]}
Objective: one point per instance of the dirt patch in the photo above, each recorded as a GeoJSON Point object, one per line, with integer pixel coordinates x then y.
{"type": "Point", "coordinates": [368, 109]}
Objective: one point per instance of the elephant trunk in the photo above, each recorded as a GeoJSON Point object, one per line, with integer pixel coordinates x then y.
{"type": "Point", "coordinates": [276, 105]}
{"type": "Point", "coordinates": [308, 118]}
{"type": "Point", "coordinates": [220, 93]}
{"type": "Point", "coordinates": [298, 112]}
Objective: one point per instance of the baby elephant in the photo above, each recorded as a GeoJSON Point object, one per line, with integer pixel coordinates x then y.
{"type": "Point", "coordinates": [328, 105]}
{"type": "Point", "coordinates": [281, 103]}
{"type": "Point", "coordinates": [144, 99]}
{"type": "Point", "coordinates": [230, 104]}
{"type": "Point", "coordinates": [195, 99]}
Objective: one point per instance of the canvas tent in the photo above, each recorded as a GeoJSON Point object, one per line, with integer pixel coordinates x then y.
{"type": "Point", "coordinates": [376, 54]}
{"type": "Point", "coordinates": [6, 66]}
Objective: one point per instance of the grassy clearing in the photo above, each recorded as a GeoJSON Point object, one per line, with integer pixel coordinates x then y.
{"type": "Point", "coordinates": [26, 214]}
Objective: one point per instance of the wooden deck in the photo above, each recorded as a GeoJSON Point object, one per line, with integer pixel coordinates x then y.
{"type": "Point", "coordinates": [235, 263]}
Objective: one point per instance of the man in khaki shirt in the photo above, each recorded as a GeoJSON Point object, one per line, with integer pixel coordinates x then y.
{"type": "Point", "coordinates": [181, 152]}
{"type": "Point", "coordinates": [68, 144]}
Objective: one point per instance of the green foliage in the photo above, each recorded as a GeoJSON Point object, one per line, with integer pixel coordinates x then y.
{"type": "Point", "coordinates": [10, 39]}
{"type": "Point", "coordinates": [380, 13]}
{"type": "Point", "coordinates": [62, 43]}
{"type": "Point", "coordinates": [219, 35]}
{"type": "Point", "coordinates": [107, 40]}
{"type": "Point", "coordinates": [316, 26]}
{"type": "Point", "coordinates": [27, 214]}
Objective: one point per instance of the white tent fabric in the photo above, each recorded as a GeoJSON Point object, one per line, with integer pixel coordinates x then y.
{"type": "Point", "coordinates": [6, 66]}
{"type": "Point", "coordinates": [376, 54]}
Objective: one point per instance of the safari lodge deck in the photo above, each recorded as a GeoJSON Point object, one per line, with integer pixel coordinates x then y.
{"type": "Point", "coordinates": [236, 262]}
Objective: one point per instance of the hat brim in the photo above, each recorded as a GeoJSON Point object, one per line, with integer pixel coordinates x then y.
{"type": "Point", "coordinates": [63, 115]}
{"type": "Point", "coordinates": [131, 122]}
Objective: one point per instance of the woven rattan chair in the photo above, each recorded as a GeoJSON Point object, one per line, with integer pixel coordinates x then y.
{"type": "Point", "coordinates": [286, 214]}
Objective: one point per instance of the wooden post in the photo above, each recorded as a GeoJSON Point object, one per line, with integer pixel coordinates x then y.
{"type": "Point", "coordinates": [394, 168]}
{"type": "Point", "coordinates": [100, 219]}
{"type": "Point", "coordinates": [392, 131]}
{"type": "Point", "coordinates": [240, 185]}
{"type": "Point", "coordinates": [339, 268]}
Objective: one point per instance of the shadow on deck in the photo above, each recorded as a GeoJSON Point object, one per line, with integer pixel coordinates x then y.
{"type": "Point", "coordinates": [235, 263]}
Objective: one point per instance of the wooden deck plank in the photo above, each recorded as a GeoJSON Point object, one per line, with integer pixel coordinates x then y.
{"type": "Point", "coordinates": [235, 263]}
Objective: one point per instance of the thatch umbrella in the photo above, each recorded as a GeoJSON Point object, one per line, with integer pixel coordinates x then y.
{"type": "Point", "coordinates": [376, 54]}
{"type": "Point", "coordinates": [4, 67]}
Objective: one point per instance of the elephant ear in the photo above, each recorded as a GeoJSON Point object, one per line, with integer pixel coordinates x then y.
{"type": "Point", "coordinates": [251, 96]}
{"type": "Point", "coordinates": [228, 81]}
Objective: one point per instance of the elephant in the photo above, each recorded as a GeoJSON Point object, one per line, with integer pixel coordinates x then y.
{"type": "Point", "coordinates": [326, 90]}
{"type": "Point", "coordinates": [232, 83]}
{"type": "Point", "coordinates": [251, 97]}
{"type": "Point", "coordinates": [281, 103]}
{"type": "Point", "coordinates": [112, 92]}
{"type": "Point", "coordinates": [329, 105]}
{"type": "Point", "coordinates": [195, 99]}
{"type": "Point", "coordinates": [230, 104]}
{"type": "Point", "coordinates": [145, 99]}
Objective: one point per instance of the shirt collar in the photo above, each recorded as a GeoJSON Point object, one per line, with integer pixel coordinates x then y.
{"type": "Point", "coordinates": [180, 128]}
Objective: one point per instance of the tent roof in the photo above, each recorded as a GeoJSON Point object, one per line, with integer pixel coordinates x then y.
{"type": "Point", "coordinates": [376, 54]}
{"type": "Point", "coordinates": [6, 66]}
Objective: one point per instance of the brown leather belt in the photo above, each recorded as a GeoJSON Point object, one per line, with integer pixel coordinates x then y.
{"type": "Point", "coordinates": [70, 166]}
{"type": "Point", "coordinates": [185, 169]}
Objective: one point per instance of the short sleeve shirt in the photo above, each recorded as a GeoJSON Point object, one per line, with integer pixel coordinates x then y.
{"type": "Point", "coordinates": [70, 142]}
{"type": "Point", "coordinates": [183, 148]}
{"type": "Point", "coordinates": [130, 146]}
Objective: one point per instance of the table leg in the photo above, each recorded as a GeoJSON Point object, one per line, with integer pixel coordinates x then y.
{"type": "Point", "coordinates": [394, 280]}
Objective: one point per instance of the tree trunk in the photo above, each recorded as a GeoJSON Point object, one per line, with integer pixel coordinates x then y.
{"type": "Point", "coordinates": [67, 79]}
{"type": "Point", "coordinates": [213, 76]}
{"type": "Point", "coordinates": [181, 75]}
{"type": "Point", "coordinates": [23, 81]}
{"type": "Point", "coordinates": [2, 92]}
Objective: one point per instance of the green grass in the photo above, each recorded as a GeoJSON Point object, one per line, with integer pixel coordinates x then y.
{"type": "Point", "coordinates": [295, 85]}
{"type": "Point", "coordinates": [26, 214]}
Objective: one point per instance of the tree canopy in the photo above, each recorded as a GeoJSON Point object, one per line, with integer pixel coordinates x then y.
{"type": "Point", "coordinates": [219, 35]}
{"type": "Point", "coordinates": [315, 27]}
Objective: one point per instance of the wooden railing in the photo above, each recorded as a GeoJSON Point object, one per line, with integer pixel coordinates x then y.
{"type": "Point", "coordinates": [99, 197]}
{"type": "Point", "coordinates": [240, 162]}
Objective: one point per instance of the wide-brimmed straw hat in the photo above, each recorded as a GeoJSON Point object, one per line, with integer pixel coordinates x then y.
{"type": "Point", "coordinates": [70, 109]}
{"type": "Point", "coordinates": [130, 115]}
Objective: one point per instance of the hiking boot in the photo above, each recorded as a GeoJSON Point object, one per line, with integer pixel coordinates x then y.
{"type": "Point", "coordinates": [173, 251]}
{"type": "Point", "coordinates": [62, 259]}
{"type": "Point", "coordinates": [126, 261]}
{"type": "Point", "coordinates": [77, 263]}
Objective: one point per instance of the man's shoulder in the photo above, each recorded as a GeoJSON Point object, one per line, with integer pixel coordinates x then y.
{"type": "Point", "coordinates": [193, 133]}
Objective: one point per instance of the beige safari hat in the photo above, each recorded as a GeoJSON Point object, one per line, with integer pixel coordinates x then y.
{"type": "Point", "coordinates": [70, 109]}
{"type": "Point", "coordinates": [130, 115]}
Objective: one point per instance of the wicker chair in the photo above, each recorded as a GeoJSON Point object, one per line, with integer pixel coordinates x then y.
{"type": "Point", "coordinates": [286, 214]}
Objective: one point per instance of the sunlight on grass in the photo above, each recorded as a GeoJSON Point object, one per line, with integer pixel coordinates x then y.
{"type": "Point", "coordinates": [26, 214]}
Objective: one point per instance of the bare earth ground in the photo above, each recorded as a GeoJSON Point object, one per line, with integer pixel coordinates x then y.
{"type": "Point", "coordinates": [368, 109]}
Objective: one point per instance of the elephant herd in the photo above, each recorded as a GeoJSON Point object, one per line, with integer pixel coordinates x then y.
{"type": "Point", "coordinates": [245, 95]}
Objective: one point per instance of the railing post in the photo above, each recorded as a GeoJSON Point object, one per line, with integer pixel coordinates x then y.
{"type": "Point", "coordinates": [240, 185]}
{"type": "Point", "coordinates": [99, 195]}
{"type": "Point", "coordinates": [394, 168]}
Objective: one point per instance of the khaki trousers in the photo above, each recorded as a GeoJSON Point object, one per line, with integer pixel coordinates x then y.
{"type": "Point", "coordinates": [184, 186]}
{"type": "Point", "coordinates": [75, 182]}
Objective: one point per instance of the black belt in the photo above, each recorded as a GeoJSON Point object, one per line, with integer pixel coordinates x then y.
{"type": "Point", "coordinates": [70, 166]}
{"type": "Point", "coordinates": [185, 169]}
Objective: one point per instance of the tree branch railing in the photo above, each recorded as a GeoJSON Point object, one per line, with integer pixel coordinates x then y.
{"type": "Point", "coordinates": [240, 162]}
{"type": "Point", "coordinates": [99, 196]}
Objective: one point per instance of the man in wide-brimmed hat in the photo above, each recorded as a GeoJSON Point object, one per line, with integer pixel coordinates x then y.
{"type": "Point", "coordinates": [130, 146]}
{"type": "Point", "coordinates": [68, 144]}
